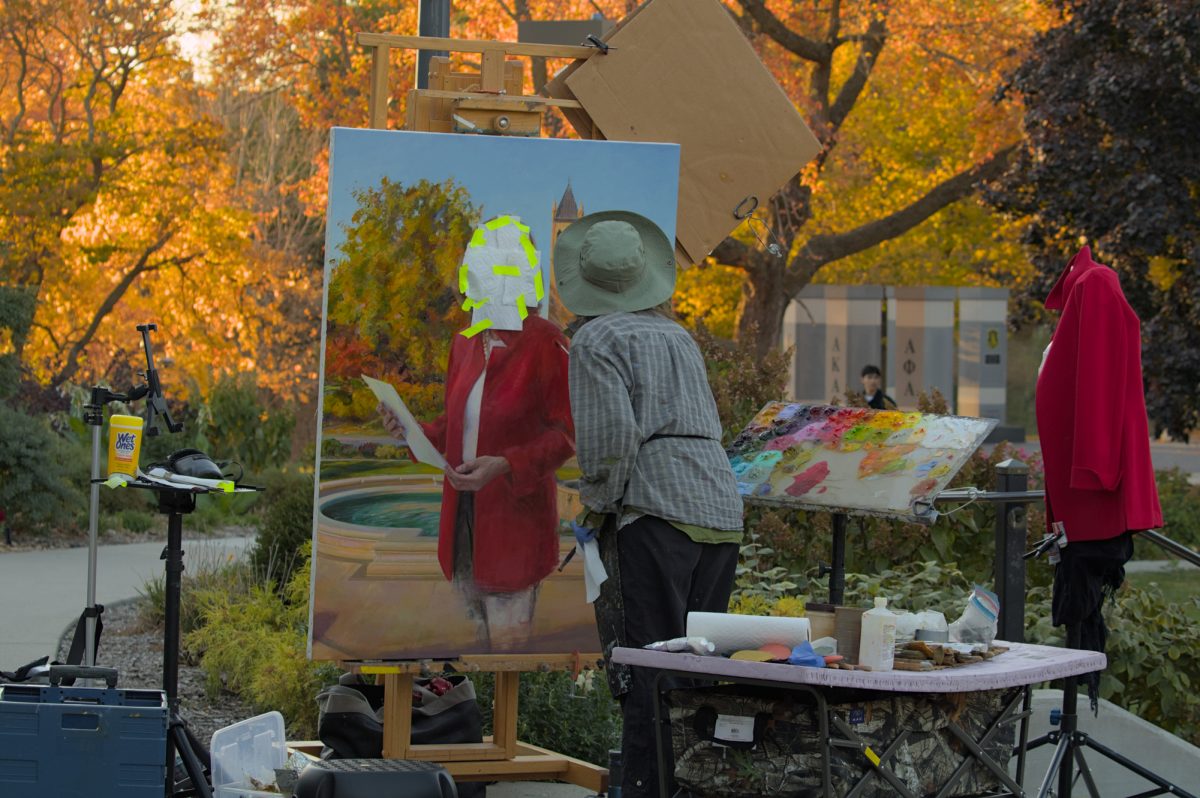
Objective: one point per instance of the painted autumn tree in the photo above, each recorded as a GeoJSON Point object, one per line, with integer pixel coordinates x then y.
{"type": "Point", "coordinates": [829, 57]}
{"type": "Point", "coordinates": [393, 305]}
{"type": "Point", "coordinates": [1111, 157]}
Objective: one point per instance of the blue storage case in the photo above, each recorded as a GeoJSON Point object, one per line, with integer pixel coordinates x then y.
{"type": "Point", "coordinates": [72, 742]}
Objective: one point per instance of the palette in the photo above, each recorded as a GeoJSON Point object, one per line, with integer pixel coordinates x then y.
{"type": "Point", "coordinates": [872, 462]}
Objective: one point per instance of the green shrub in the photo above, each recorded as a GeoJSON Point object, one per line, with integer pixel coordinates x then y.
{"type": "Point", "coordinates": [1181, 514]}
{"type": "Point", "coordinates": [742, 381]}
{"type": "Point", "coordinates": [286, 526]}
{"type": "Point", "coordinates": [40, 476]}
{"type": "Point", "coordinates": [577, 718]}
{"type": "Point", "coordinates": [225, 574]}
{"type": "Point", "coordinates": [1153, 661]}
{"type": "Point", "coordinates": [244, 427]}
{"type": "Point", "coordinates": [254, 644]}
{"type": "Point", "coordinates": [137, 521]}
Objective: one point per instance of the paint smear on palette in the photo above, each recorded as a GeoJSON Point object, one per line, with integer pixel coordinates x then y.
{"type": "Point", "coordinates": [923, 487]}
{"type": "Point", "coordinates": [808, 479]}
{"type": "Point", "coordinates": [884, 460]}
{"type": "Point", "coordinates": [949, 433]}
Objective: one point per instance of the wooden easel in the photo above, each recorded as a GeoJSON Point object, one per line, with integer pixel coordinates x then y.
{"type": "Point", "coordinates": [488, 102]}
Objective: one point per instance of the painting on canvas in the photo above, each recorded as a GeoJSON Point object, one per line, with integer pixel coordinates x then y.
{"type": "Point", "coordinates": [441, 242]}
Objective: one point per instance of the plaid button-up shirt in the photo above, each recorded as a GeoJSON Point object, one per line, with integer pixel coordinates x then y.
{"type": "Point", "coordinates": [646, 428]}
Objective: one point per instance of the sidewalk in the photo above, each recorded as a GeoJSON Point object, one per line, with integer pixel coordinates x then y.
{"type": "Point", "coordinates": [42, 592]}
{"type": "Point", "coordinates": [1184, 456]}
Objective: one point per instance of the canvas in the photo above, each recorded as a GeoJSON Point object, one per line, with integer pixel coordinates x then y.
{"type": "Point", "coordinates": [431, 239]}
{"type": "Point", "coordinates": [876, 462]}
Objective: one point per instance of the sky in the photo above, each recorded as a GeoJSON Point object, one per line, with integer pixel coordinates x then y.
{"type": "Point", "coordinates": [506, 175]}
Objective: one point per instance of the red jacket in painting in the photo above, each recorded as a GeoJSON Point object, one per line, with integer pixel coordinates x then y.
{"type": "Point", "coordinates": [1091, 409]}
{"type": "Point", "coordinates": [525, 417]}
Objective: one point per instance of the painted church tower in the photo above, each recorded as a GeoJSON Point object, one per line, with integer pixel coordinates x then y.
{"type": "Point", "coordinates": [567, 210]}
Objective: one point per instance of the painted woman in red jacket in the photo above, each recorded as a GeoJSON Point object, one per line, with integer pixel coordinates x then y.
{"type": "Point", "coordinates": [505, 429]}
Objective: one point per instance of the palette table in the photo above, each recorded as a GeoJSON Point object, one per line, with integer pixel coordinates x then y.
{"type": "Point", "coordinates": [1022, 666]}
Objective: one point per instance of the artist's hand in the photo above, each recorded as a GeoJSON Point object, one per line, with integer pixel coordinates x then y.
{"type": "Point", "coordinates": [392, 423]}
{"type": "Point", "coordinates": [474, 474]}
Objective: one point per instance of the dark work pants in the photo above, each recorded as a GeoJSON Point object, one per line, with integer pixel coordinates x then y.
{"type": "Point", "coordinates": [658, 575]}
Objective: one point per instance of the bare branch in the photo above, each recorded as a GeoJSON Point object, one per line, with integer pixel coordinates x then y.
{"type": "Point", "coordinates": [732, 252]}
{"type": "Point", "coordinates": [142, 266]}
{"type": "Point", "coordinates": [512, 13]}
{"type": "Point", "coordinates": [848, 95]}
{"type": "Point", "coordinates": [823, 249]}
{"type": "Point", "coordinates": [771, 25]}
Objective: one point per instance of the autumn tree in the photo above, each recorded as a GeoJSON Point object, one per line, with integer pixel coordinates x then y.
{"type": "Point", "coordinates": [117, 200]}
{"type": "Point", "coordinates": [831, 57]}
{"type": "Point", "coordinates": [1110, 157]}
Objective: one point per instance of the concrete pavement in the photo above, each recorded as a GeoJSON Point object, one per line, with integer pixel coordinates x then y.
{"type": "Point", "coordinates": [1184, 456]}
{"type": "Point", "coordinates": [41, 592]}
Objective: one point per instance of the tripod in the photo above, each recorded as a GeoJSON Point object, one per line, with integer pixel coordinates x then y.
{"type": "Point", "coordinates": [175, 504]}
{"type": "Point", "coordinates": [1070, 743]}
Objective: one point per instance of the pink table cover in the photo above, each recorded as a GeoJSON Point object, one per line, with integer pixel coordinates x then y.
{"type": "Point", "coordinates": [1022, 664]}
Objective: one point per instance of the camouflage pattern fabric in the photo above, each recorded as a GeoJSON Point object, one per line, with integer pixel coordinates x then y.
{"type": "Point", "coordinates": [786, 756]}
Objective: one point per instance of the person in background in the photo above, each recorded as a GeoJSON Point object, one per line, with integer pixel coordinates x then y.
{"type": "Point", "coordinates": [659, 494]}
{"type": "Point", "coordinates": [872, 382]}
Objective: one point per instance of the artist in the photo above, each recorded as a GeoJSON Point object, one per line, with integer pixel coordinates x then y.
{"type": "Point", "coordinates": [506, 427]}
{"type": "Point", "coordinates": [657, 485]}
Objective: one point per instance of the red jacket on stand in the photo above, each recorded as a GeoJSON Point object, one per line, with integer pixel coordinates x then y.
{"type": "Point", "coordinates": [1091, 409]}
{"type": "Point", "coordinates": [525, 417]}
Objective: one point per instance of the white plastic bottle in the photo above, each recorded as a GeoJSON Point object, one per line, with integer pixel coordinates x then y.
{"type": "Point", "coordinates": [877, 645]}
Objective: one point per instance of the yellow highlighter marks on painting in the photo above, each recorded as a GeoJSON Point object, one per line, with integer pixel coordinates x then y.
{"type": "Point", "coordinates": [476, 328]}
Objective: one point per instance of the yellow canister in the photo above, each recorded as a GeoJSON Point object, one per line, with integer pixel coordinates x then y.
{"type": "Point", "coordinates": [124, 444]}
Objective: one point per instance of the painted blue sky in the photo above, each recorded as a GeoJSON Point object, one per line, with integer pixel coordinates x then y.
{"type": "Point", "coordinates": [521, 176]}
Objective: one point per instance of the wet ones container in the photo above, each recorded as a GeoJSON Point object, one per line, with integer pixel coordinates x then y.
{"type": "Point", "coordinates": [124, 444]}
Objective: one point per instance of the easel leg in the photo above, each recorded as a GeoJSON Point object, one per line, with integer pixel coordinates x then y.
{"type": "Point", "coordinates": [397, 710]}
{"type": "Point", "coordinates": [504, 712]}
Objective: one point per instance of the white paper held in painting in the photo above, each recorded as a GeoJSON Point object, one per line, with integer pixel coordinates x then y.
{"type": "Point", "coordinates": [414, 436]}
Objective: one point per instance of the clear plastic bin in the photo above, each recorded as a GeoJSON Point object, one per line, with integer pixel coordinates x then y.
{"type": "Point", "coordinates": [245, 755]}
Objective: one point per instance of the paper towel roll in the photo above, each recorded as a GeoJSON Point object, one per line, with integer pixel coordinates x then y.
{"type": "Point", "coordinates": [735, 632]}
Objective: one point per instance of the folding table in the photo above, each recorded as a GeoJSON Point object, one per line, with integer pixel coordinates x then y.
{"type": "Point", "coordinates": [1022, 666]}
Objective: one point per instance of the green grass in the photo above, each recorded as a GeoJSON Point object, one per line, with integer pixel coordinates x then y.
{"type": "Point", "coordinates": [1176, 585]}
{"type": "Point", "coordinates": [340, 469]}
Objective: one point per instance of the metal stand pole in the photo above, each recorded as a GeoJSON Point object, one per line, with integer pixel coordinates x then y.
{"type": "Point", "coordinates": [1011, 532]}
{"type": "Point", "coordinates": [1069, 722]}
{"type": "Point", "coordinates": [175, 504]}
{"type": "Point", "coordinates": [837, 570]}
{"type": "Point", "coordinates": [89, 649]}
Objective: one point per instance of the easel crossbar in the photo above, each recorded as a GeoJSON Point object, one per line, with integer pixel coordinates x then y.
{"type": "Point", "coordinates": [474, 46]}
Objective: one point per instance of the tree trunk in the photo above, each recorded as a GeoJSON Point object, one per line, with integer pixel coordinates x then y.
{"type": "Point", "coordinates": [764, 301]}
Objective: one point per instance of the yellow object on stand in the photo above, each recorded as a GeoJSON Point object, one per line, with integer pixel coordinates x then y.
{"type": "Point", "coordinates": [124, 444]}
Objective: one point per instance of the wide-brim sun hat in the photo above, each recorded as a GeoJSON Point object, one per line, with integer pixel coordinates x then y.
{"type": "Point", "coordinates": [613, 262]}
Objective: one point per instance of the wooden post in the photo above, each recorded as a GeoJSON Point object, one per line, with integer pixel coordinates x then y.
{"type": "Point", "coordinates": [504, 714]}
{"type": "Point", "coordinates": [397, 715]}
{"type": "Point", "coordinates": [378, 101]}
